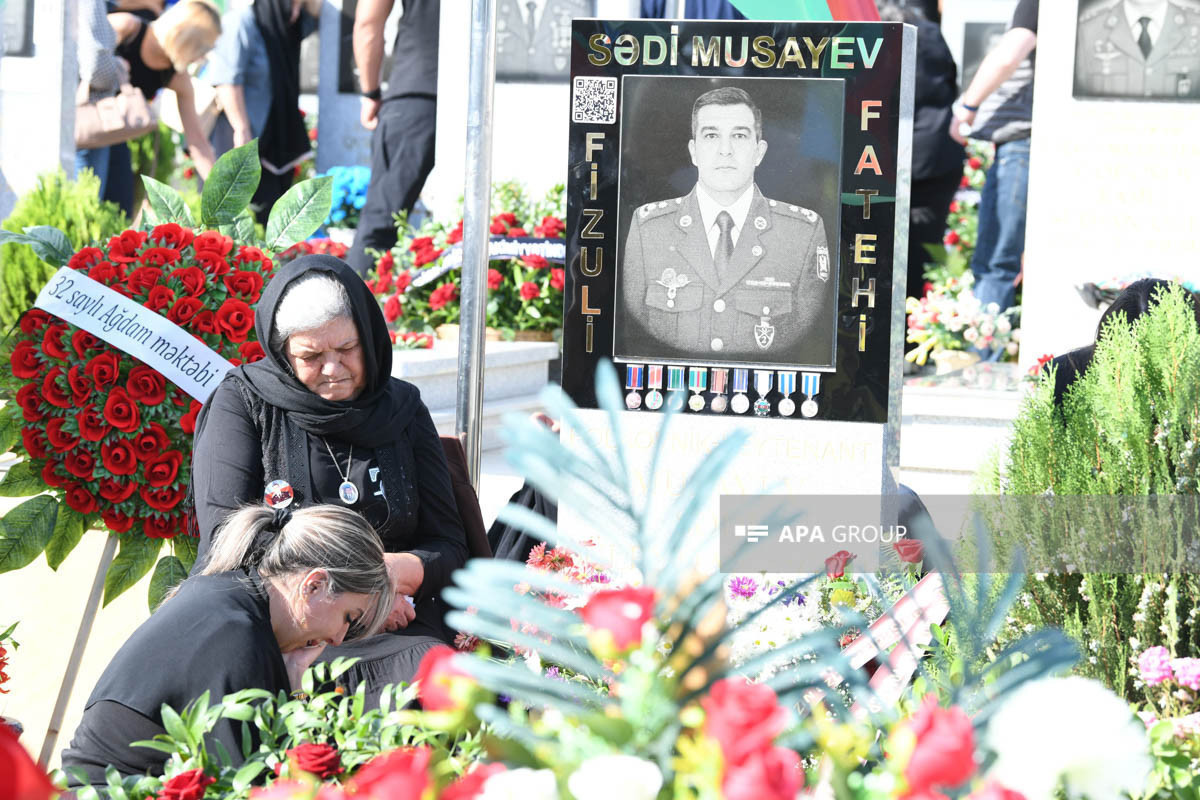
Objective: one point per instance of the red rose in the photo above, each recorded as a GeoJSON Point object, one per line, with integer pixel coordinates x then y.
{"type": "Point", "coordinates": [52, 390]}
{"type": "Point", "coordinates": [164, 499]}
{"type": "Point", "coordinates": [51, 476]}
{"type": "Point", "coordinates": [426, 256]}
{"type": "Point", "coordinates": [204, 322]}
{"type": "Point", "coordinates": [965, 182]}
{"type": "Point", "coordinates": [104, 369]}
{"type": "Point", "coordinates": [439, 681]}
{"type": "Point", "coordinates": [159, 256]}
{"type": "Point", "coordinates": [530, 290]}
{"type": "Point", "coordinates": [52, 341]}
{"type": "Point", "coordinates": [974, 163]}
{"type": "Point", "coordinates": [188, 421]}
{"type": "Point", "coordinates": [151, 441]}
{"type": "Point", "coordinates": [395, 775]}
{"type": "Point", "coordinates": [420, 243]}
{"type": "Point", "coordinates": [911, 551]}
{"type": "Point", "coordinates": [86, 257]}
{"type": "Point", "coordinates": [160, 297]}
{"type": "Point", "coordinates": [743, 717]}
{"type": "Point", "coordinates": [951, 237]}
{"type": "Point", "coordinates": [245, 284]}
{"type": "Point", "coordinates": [835, 565]}
{"type": "Point", "coordinates": [251, 352]}
{"type": "Point", "coordinates": [184, 309]}
{"type": "Point", "coordinates": [117, 491]}
{"type": "Point", "coordinates": [386, 263]}
{"type": "Point", "coordinates": [322, 760]}
{"type": "Point", "coordinates": [163, 469]}
{"type": "Point", "coordinates": [92, 426]}
{"type": "Point", "coordinates": [235, 319]}
{"type": "Point", "coordinates": [507, 217]}
{"type": "Point", "coordinates": [442, 295]}
{"type": "Point", "coordinates": [107, 273]}
{"type": "Point", "coordinates": [249, 255]}
{"type": "Point", "coordinates": [24, 360]}
{"type": "Point", "coordinates": [455, 236]}
{"type": "Point", "coordinates": [558, 279]}
{"type": "Point", "coordinates": [402, 281]}
{"type": "Point", "coordinates": [214, 241]}
{"type": "Point", "coordinates": [34, 441]}
{"type": "Point", "coordinates": [551, 228]}
{"type": "Point", "coordinates": [124, 246]}
{"type": "Point", "coordinates": [391, 308]}
{"type": "Point", "coordinates": [160, 527]}
{"type": "Point", "coordinates": [535, 261]}
{"type": "Point", "coordinates": [620, 612]}
{"type": "Point", "coordinates": [119, 457]}
{"type": "Point", "coordinates": [59, 439]}
{"type": "Point", "coordinates": [944, 755]}
{"type": "Point", "coordinates": [20, 777]}
{"type": "Point", "coordinates": [193, 280]}
{"type": "Point", "coordinates": [497, 228]}
{"type": "Point", "coordinates": [172, 235]}
{"type": "Point", "coordinates": [116, 521]}
{"type": "Point", "coordinates": [34, 320]}
{"type": "Point", "coordinates": [470, 786]}
{"type": "Point", "coordinates": [515, 232]}
{"type": "Point", "coordinates": [80, 499]}
{"type": "Point", "coordinates": [774, 774]}
{"type": "Point", "coordinates": [121, 411]}
{"type": "Point", "coordinates": [212, 262]}
{"type": "Point", "coordinates": [80, 463]}
{"type": "Point", "coordinates": [188, 785]}
{"type": "Point", "coordinates": [495, 279]}
{"type": "Point", "coordinates": [30, 401]}
{"type": "Point", "coordinates": [146, 385]}
{"type": "Point", "coordinates": [381, 286]}
{"type": "Point", "coordinates": [143, 279]}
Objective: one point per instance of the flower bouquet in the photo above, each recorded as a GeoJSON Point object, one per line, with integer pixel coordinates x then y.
{"type": "Point", "coordinates": [349, 195]}
{"type": "Point", "coordinates": [949, 318]}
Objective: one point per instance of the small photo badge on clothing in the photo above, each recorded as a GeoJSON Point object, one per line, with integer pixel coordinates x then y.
{"type": "Point", "coordinates": [278, 494]}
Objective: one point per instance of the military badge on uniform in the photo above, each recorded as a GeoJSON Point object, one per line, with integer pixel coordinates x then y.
{"type": "Point", "coordinates": [762, 385]}
{"type": "Point", "coordinates": [764, 332]}
{"type": "Point", "coordinates": [697, 383]}
{"type": "Point", "coordinates": [822, 262]}
{"type": "Point", "coordinates": [787, 385]}
{"type": "Point", "coordinates": [809, 214]}
{"type": "Point", "coordinates": [810, 389]}
{"type": "Point", "coordinates": [741, 382]}
{"type": "Point", "coordinates": [633, 382]}
{"type": "Point", "coordinates": [720, 381]}
{"type": "Point", "coordinates": [756, 251]}
{"type": "Point", "coordinates": [685, 221]}
{"type": "Point", "coordinates": [654, 376]}
{"type": "Point", "coordinates": [675, 388]}
{"type": "Point", "coordinates": [760, 223]}
{"type": "Point", "coordinates": [673, 282]}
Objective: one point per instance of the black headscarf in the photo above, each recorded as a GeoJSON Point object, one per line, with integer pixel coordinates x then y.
{"type": "Point", "coordinates": [284, 138]}
{"type": "Point", "coordinates": [379, 415]}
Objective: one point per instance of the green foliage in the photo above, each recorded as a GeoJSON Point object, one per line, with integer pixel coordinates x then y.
{"type": "Point", "coordinates": [230, 185]}
{"type": "Point", "coordinates": [169, 572]}
{"type": "Point", "coordinates": [166, 203]}
{"type": "Point", "coordinates": [75, 208]}
{"type": "Point", "coordinates": [299, 212]}
{"type": "Point", "coordinates": [135, 558]}
{"type": "Point", "coordinates": [68, 530]}
{"type": "Point", "coordinates": [26, 530]}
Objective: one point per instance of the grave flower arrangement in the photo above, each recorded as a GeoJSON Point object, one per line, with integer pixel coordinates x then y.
{"type": "Point", "coordinates": [349, 195]}
{"type": "Point", "coordinates": [950, 317]}
{"type": "Point", "coordinates": [105, 439]}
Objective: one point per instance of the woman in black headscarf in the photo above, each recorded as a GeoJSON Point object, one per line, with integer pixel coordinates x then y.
{"type": "Point", "coordinates": [322, 414]}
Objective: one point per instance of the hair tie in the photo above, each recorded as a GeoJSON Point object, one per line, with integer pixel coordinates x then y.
{"type": "Point", "coordinates": [279, 518]}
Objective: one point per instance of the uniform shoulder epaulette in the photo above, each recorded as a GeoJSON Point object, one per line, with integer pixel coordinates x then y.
{"type": "Point", "coordinates": [1099, 11]}
{"type": "Point", "coordinates": [651, 210]}
{"type": "Point", "coordinates": [792, 210]}
{"type": "Point", "coordinates": [1190, 6]}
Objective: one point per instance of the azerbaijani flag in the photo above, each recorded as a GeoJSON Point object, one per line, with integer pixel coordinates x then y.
{"type": "Point", "coordinates": [814, 10]}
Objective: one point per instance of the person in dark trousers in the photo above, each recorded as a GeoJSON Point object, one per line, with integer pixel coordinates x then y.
{"type": "Point", "coordinates": [402, 114]}
{"type": "Point", "coordinates": [321, 417]}
{"type": "Point", "coordinates": [279, 587]}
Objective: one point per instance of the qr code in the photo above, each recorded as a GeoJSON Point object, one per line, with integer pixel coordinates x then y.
{"type": "Point", "coordinates": [594, 100]}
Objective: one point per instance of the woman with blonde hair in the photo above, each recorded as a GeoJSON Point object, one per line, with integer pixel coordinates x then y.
{"type": "Point", "coordinates": [279, 586]}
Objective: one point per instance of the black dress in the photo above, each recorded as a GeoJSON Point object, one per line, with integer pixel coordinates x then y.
{"type": "Point", "coordinates": [141, 76]}
{"type": "Point", "coordinates": [213, 636]}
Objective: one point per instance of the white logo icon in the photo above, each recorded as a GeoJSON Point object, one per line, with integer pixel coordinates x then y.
{"type": "Point", "coordinates": [751, 533]}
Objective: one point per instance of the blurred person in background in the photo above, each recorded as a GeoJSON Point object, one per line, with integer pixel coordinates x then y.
{"type": "Point", "coordinates": [103, 72]}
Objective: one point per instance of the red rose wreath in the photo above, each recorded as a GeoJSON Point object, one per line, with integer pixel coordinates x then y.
{"type": "Point", "coordinates": [109, 433]}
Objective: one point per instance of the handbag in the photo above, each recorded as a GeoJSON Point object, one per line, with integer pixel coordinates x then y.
{"type": "Point", "coordinates": [111, 120]}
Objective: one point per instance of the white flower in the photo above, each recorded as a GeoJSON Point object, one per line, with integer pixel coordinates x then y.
{"type": "Point", "coordinates": [520, 784]}
{"type": "Point", "coordinates": [1003, 325]}
{"type": "Point", "coordinates": [615, 776]}
{"type": "Point", "coordinates": [970, 334]}
{"type": "Point", "coordinates": [1069, 729]}
{"type": "Point", "coordinates": [986, 328]}
{"type": "Point", "coordinates": [1012, 348]}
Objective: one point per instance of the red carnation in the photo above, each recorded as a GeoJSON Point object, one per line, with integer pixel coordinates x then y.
{"type": "Point", "coordinates": [116, 521]}
{"type": "Point", "coordinates": [34, 441]}
{"type": "Point", "coordinates": [455, 236]}
{"type": "Point", "coordinates": [193, 280]}
{"type": "Point", "coordinates": [557, 279]}
{"type": "Point", "coordinates": [151, 441]}
{"type": "Point", "coordinates": [30, 401]}
{"type": "Point", "coordinates": [164, 499]}
{"type": "Point", "coordinates": [80, 499]}
{"type": "Point", "coordinates": [442, 295]}
{"type": "Point", "coordinates": [119, 457]}
{"type": "Point", "coordinates": [80, 463]}
{"type": "Point", "coordinates": [402, 281]}
{"type": "Point", "coordinates": [172, 235]}
{"type": "Point", "coordinates": [160, 297]}
{"type": "Point", "coordinates": [212, 262]}
{"type": "Point", "coordinates": [163, 469]}
{"type": "Point", "coordinates": [246, 284]}
{"type": "Point", "coordinates": [530, 290]}
{"type": "Point", "coordinates": [82, 342]}
{"type": "Point", "coordinates": [184, 309]}
{"type": "Point", "coordinates": [143, 279]}
{"type": "Point", "coordinates": [146, 385]}
{"type": "Point", "coordinates": [188, 785]}
{"type": "Point", "coordinates": [426, 256]}
{"type": "Point", "coordinates": [52, 391]}
{"type": "Point", "coordinates": [51, 476]}
{"type": "Point", "coordinates": [322, 760]}
{"type": "Point", "coordinates": [81, 385]}
{"type": "Point", "coordinates": [251, 352]}
{"type": "Point", "coordinates": [52, 341]}
{"type": "Point", "coordinates": [420, 243]}
{"type": "Point", "coordinates": [104, 369]}
{"type": "Point", "coordinates": [159, 256]}
{"type": "Point", "coordinates": [91, 425]}
{"type": "Point", "coordinates": [535, 261]}
{"type": "Point", "coordinates": [235, 319]}
{"type": "Point", "coordinates": [124, 246]}
{"type": "Point", "coordinates": [34, 320]}
{"type": "Point", "coordinates": [117, 491]}
{"type": "Point", "coordinates": [213, 241]}
{"type": "Point", "coordinates": [188, 421]}
{"type": "Point", "coordinates": [160, 528]}
{"type": "Point", "coordinates": [121, 411]}
{"type": "Point", "coordinates": [60, 440]}
{"type": "Point", "coordinates": [86, 257]}
{"type": "Point", "coordinates": [24, 360]}
{"type": "Point", "coordinates": [515, 232]}
{"type": "Point", "coordinates": [495, 279]}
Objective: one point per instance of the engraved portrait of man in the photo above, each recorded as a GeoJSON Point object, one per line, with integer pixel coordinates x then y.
{"type": "Point", "coordinates": [533, 37]}
{"type": "Point", "coordinates": [1148, 49]}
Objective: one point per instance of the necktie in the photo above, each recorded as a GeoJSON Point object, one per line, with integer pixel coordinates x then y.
{"type": "Point", "coordinates": [1144, 37]}
{"type": "Point", "coordinates": [529, 23]}
{"type": "Point", "coordinates": [724, 249]}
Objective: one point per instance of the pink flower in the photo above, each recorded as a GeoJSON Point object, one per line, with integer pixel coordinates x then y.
{"type": "Point", "coordinates": [1187, 672]}
{"type": "Point", "coordinates": [774, 774]}
{"type": "Point", "coordinates": [944, 755]}
{"type": "Point", "coordinates": [1154, 664]}
{"type": "Point", "coordinates": [994, 791]}
{"type": "Point", "coordinates": [621, 613]}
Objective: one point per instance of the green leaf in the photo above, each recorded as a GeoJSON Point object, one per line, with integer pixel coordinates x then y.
{"type": "Point", "coordinates": [230, 185]}
{"type": "Point", "coordinates": [167, 203]}
{"type": "Point", "coordinates": [174, 726]}
{"type": "Point", "coordinates": [299, 212]}
{"type": "Point", "coordinates": [68, 530]}
{"type": "Point", "coordinates": [10, 433]}
{"type": "Point", "coordinates": [50, 244]}
{"type": "Point", "coordinates": [25, 531]}
{"type": "Point", "coordinates": [133, 561]}
{"type": "Point", "coordinates": [169, 572]}
{"type": "Point", "coordinates": [22, 481]}
{"type": "Point", "coordinates": [186, 550]}
{"type": "Point", "coordinates": [244, 776]}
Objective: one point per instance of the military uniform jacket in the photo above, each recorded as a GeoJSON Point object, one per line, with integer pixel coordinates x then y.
{"type": "Point", "coordinates": [775, 303]}
{"type": "Point", "coordinates": [1109, 62]}
{"type": "Point", "coordinates": [544, 48]}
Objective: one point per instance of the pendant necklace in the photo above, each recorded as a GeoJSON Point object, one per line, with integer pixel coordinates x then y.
{"type": "Point", "coordinates": [347, 491]}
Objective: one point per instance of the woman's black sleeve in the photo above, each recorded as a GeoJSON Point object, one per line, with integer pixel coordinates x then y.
{"type": "Point", "coordinates": [442, 542]}
{"type": "Point", "coordinates": [227, 470]}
